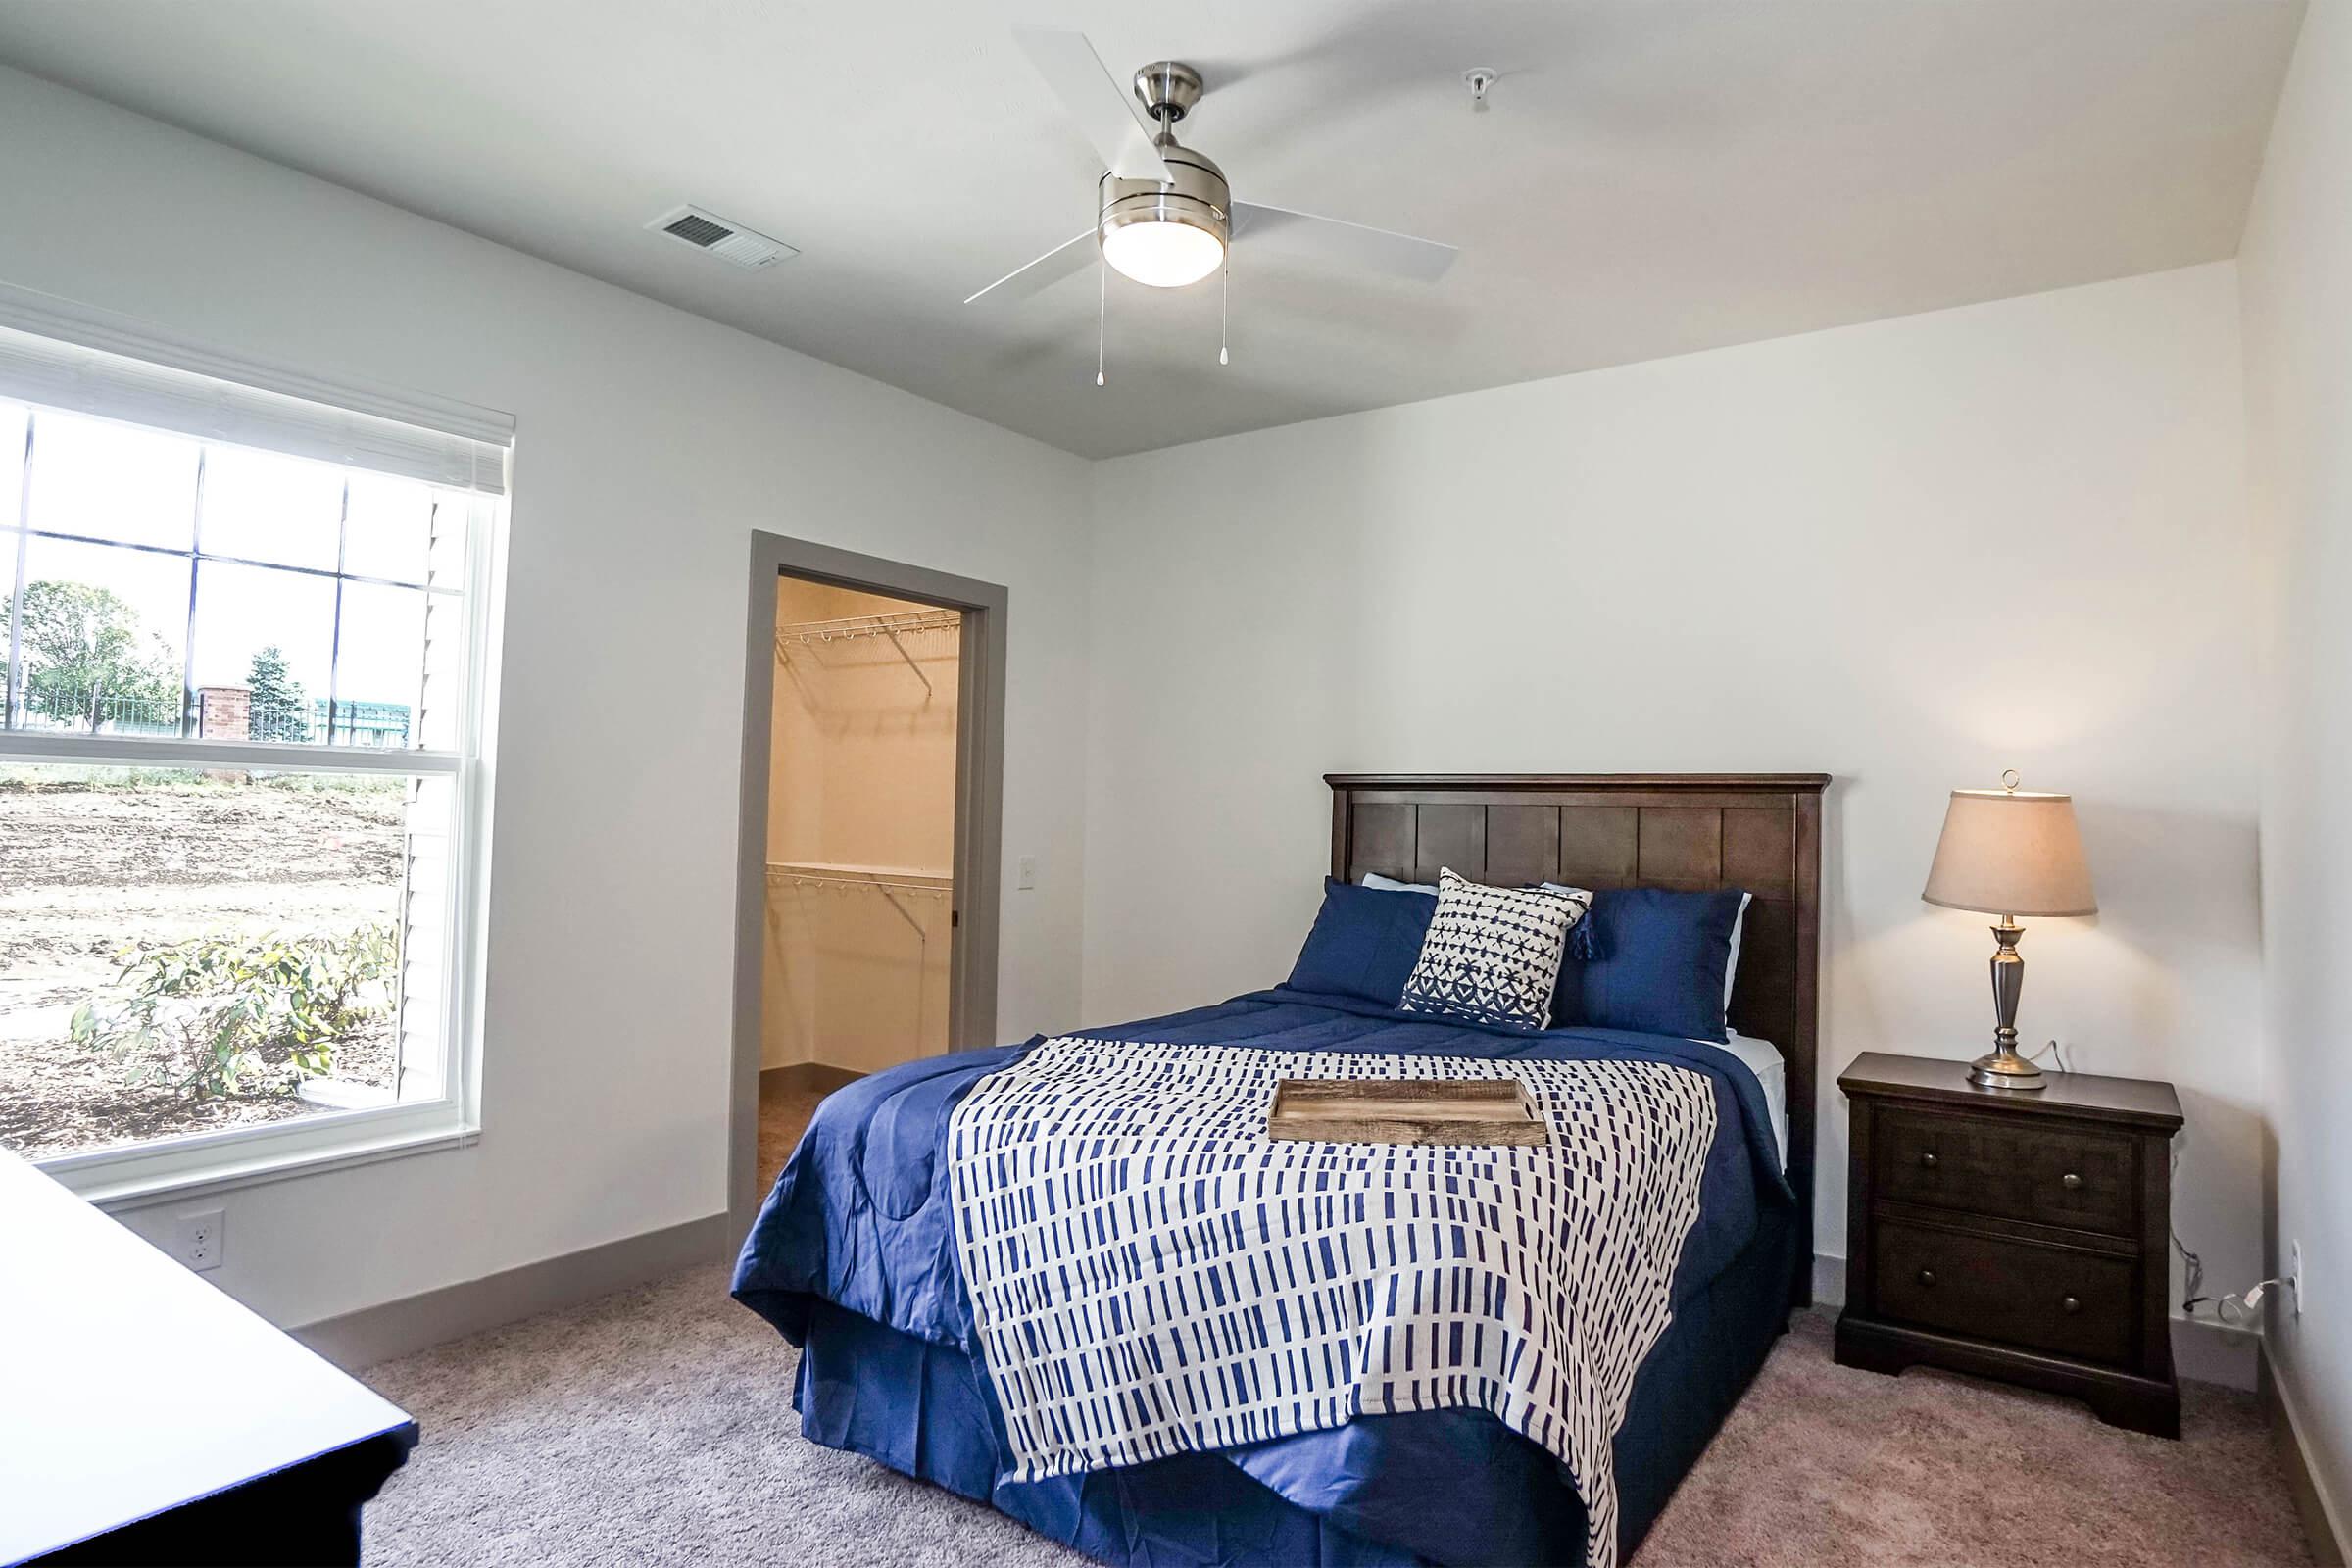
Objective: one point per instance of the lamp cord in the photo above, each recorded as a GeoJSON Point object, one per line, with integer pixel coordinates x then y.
{"type": "Point", "coordinates": [2237, 1308]}
{"type": "Point", "coordinates": [2055, 1052]}
{"type": "Point", "coordinates": [2191, 1265]}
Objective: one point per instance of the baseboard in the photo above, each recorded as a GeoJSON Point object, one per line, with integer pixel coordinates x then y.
{"type": "Point", "coordinates": [2204, 1353]}
{"type": "Point", "coordinates": [807, 1075]}
{"type": "Point", "coordinates": [360, 1339]}
{"type": "Point", "coordinates": [2322, 1521]}
{"type": "Point", "coordinates": [2208, 1353]}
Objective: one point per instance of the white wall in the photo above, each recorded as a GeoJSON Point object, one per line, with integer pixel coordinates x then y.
{"type": "Point", "coordinates": [2296, 287]}
{"type": "Point", "coordinates": [1908, 554]}
{"type": "Point", "coordinates": [650, 444]}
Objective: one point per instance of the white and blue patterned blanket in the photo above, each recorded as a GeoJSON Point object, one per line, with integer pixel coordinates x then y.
{"type": "Point", "coordinates": [1150, 1274]}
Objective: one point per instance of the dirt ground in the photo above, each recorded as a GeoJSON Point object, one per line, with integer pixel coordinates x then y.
{"type": "Point", "coordinates": [87, 871]}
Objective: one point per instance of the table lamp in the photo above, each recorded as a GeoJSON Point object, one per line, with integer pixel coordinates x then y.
{"type": "Point", "coordinates": [2008, 852]}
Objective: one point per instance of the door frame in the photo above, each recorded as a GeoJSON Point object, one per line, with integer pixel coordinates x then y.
{"type": "Point", "coordinates": [979, 814]}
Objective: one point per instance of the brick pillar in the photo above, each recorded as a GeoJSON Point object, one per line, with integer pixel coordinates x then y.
{"type": "Point", "coordinates": [224, 713]}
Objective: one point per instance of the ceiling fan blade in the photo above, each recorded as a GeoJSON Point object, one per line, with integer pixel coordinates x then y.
{"type": "Point", "coordinates": [1345, 244]}
{"type": "Point", "coordinates": [1028, 279]}
{"type": "Point", "coordinates": [1107, 115]}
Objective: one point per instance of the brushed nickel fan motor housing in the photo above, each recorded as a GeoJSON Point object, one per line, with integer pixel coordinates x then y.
{"type": "Point", "coordinates": [1195, 193]}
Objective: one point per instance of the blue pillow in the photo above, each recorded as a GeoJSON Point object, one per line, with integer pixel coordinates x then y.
{"type": "Point", "coordinates": [1657, 964]}
{"type": "Point", "coordinates": [1364, 943]}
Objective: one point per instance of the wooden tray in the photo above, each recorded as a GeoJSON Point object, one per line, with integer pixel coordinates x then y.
{"type": "Point", "coordinates": [1404, 1110]}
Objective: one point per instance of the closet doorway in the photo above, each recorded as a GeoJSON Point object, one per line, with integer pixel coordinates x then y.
{"type": "Point", "coordinates": [872, 747]}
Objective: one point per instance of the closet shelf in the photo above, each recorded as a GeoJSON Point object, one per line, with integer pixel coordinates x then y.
{"type": "Point", "coordinates": [842, 868]}
{"type": "Point", "coordinates": [881, 879]}
{"type": "Point", "coordinates": [890, 626]}
{"type": "Point", "coordinates": [826, 631]}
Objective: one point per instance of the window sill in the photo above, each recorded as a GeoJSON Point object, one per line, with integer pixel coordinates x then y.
{"type": "Point", "coordinates": [212, 1163]}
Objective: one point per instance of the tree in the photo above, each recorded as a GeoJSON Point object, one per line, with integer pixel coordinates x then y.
{"type": "Point", "coordinates": [87, 659]}
{"type": "Point", "coordinates": [281, 712]}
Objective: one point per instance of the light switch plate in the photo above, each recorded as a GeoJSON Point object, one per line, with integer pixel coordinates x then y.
{"type": "Point", "coordinates": [1025, 871]}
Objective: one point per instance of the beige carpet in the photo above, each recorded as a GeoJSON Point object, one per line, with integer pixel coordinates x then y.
{"type": "Point", "coordinates": [656, 1427]}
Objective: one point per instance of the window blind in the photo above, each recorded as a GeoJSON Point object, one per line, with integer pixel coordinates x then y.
{"type": "Point", "coordinates": [459, 447]}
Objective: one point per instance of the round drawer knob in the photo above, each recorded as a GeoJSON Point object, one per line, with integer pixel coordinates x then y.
{"type": "Point", "coordinates": [1927, 1276]}
{"type": "Point", "coordinates": [2069, 1181]}
{"type": "Point", "coordinates": [2073, 1305]}
{"type": "Point", "coordinates": [1927, 1161]}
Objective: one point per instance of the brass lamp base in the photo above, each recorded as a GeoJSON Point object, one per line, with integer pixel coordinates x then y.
{"type": "Point", "coordinates": [2004, 1069]}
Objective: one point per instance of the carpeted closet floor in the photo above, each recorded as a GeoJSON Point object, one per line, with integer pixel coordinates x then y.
{"type": "Point", "coordinates": [656, 1427]}
{"type": "Point", "coordinates": [784, 1112]}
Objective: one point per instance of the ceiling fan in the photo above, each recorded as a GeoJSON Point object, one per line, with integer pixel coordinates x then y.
{"type": "Point", "coordinates": [1165, 216]}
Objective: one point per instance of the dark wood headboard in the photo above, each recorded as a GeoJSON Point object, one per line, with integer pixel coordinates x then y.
{"type": "Point", "coordinates": [1761, 832]}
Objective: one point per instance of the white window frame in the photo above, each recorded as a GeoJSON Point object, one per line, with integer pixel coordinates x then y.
{"type": "Point", "coordinates": [193, 1164]}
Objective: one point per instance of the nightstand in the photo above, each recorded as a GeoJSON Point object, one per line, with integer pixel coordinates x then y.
{"type": "Point", "coordinates": [2018, 1236]}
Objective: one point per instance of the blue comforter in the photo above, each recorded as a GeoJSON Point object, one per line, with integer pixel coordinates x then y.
{"type": "Point", "coordinates": [861, 1218]}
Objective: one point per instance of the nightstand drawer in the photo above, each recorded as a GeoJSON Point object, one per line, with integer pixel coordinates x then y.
{"type": "Point", "coordinates": [2053, 1175]}
{"type": "Point", "coordinates": [1991, 1288]}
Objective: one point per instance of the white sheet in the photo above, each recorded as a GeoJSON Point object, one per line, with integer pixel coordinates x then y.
{"type": "Point", "coordinates": [1763, 1058]}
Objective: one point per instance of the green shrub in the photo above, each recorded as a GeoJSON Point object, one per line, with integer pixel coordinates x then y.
{"type": "Point", "coordinates": [230, 1014]}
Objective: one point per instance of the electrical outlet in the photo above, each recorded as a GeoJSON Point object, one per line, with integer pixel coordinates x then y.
{"type": "Point", "coordinates": [2294, 1277]}
{"type": "Point", "coordinates": [202, 1238]}
{"type": "Point", "coordinates": [1025, 871]}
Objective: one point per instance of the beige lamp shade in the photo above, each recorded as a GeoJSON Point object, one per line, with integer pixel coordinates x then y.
{"type": "Point", "coordinates": [2006, 852]}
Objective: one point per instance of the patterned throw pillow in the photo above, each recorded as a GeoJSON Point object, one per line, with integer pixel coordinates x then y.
{"type": "Point", "coordinates": [1492, 954]}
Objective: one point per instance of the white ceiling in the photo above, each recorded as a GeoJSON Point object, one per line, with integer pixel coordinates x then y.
{"type": "Point", "coordinates": [1655, 176]}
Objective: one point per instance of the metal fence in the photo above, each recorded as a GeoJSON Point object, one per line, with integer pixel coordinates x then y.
{"type": "Point", "coordinates": [368, 725]}
{"type": "Point", "coordinates": [139, 716]}
{"type": "Point", "coordinates": [365, 723]}
{"type": "Point", "coordinates": [115, 714]}
{"type": "Point", "coordinates": [373, 724]}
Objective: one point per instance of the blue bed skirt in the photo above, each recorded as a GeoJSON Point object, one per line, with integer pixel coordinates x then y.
{"type": "Point", "coordinates": [1460, 1492]}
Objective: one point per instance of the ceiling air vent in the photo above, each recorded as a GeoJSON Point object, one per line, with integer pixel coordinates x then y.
{"type": "Point", "coordinates": [728, 241]}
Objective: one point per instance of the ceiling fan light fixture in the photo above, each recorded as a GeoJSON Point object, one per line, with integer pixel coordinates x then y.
{"type": "Point", "coordinates": [1165, 254]}
{"type": "Point", "coordinates": [1166, 233]}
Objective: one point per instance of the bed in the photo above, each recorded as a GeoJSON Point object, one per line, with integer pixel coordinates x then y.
{"type": "Point", "coordinates": [856, 1256]}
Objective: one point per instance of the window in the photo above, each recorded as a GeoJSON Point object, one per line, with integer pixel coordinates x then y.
{"type": "Point", "coordinates": [239, 760]}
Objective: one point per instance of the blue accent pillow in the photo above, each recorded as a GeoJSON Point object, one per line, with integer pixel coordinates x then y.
{"type": "Point", "coordinates": [1364, 943]}
{"type": "Point", "coordinates": [1656, 966]}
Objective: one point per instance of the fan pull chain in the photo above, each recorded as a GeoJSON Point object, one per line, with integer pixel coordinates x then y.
{"type": "Point", "coordinates": [1101, 312]}
{"type": "Point", "coordinates": [1224, 302]}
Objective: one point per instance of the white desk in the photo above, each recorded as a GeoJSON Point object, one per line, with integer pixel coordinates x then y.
{"type": "Point", "coordinates": [145, 1416]}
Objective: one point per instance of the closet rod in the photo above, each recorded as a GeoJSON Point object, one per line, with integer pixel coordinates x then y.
{"type": "Point", "coordinates": [889, 890]}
